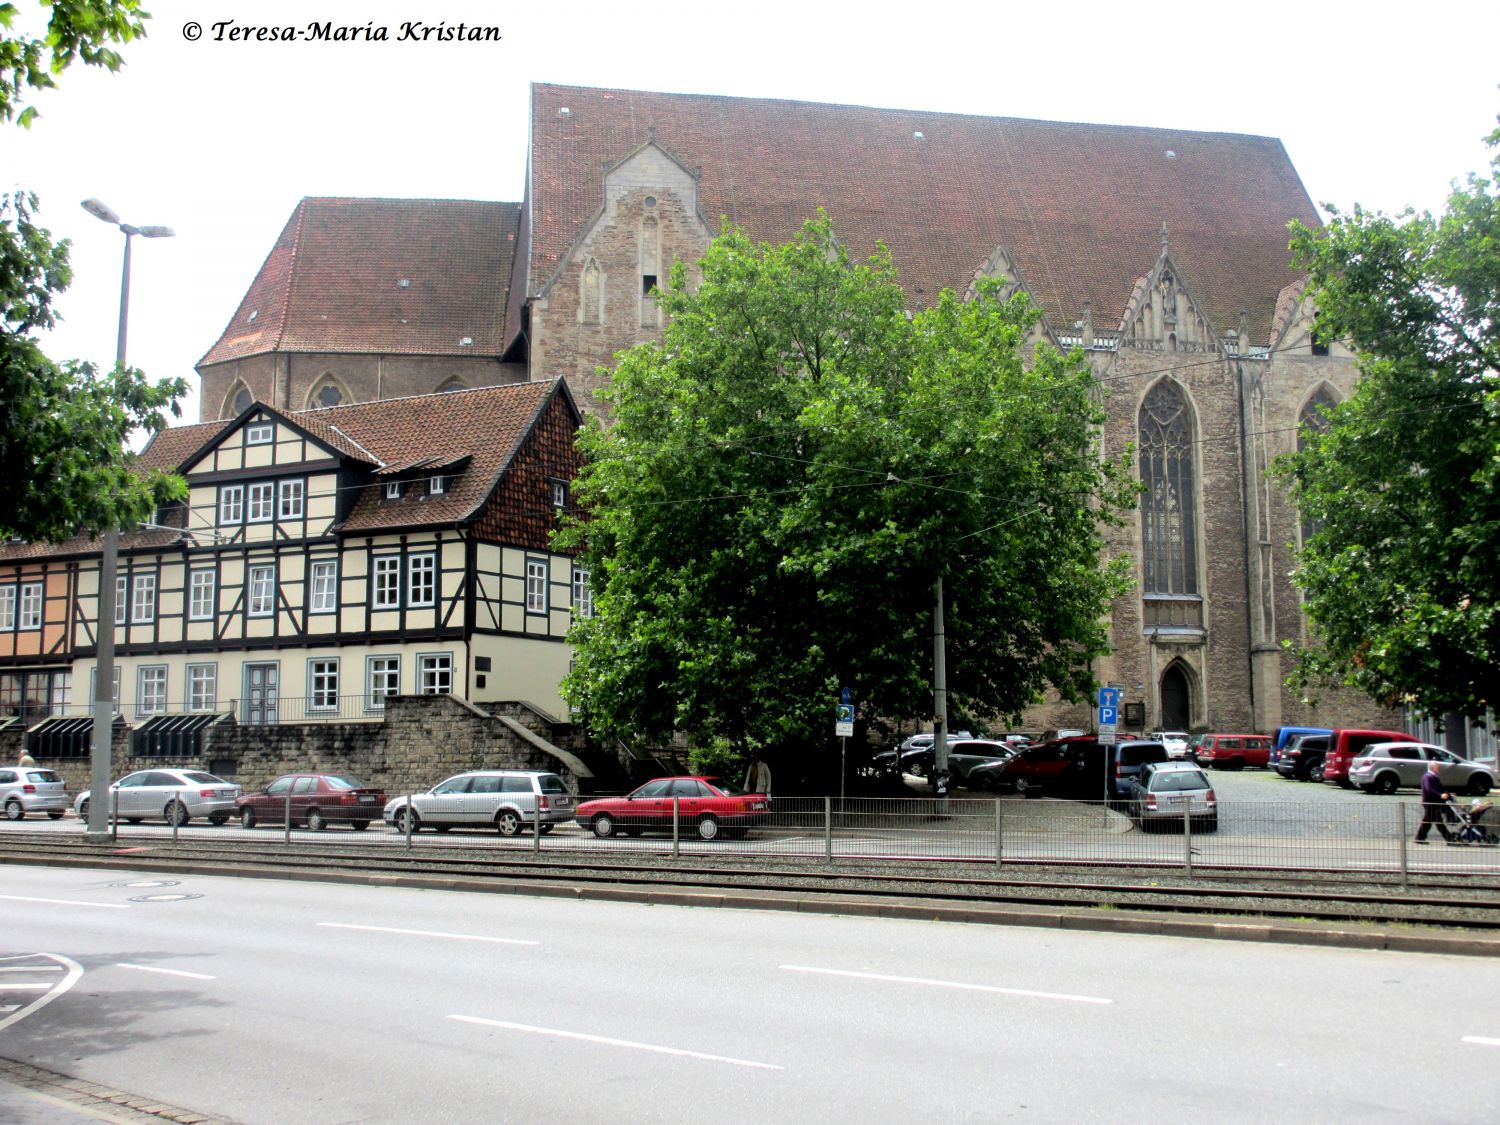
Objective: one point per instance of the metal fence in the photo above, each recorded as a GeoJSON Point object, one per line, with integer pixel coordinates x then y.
{"type": "Point", "coordinates": [1355, 836]}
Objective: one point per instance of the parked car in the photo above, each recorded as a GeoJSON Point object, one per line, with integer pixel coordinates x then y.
{"type": "Point", "coordinates": [707, 806]}
{"type": "Point", "coordinates": [1346, 745]}
{"type": "Point", "coordinates": [1284, 736]}
{"type": "Point", "coordinates": [1063, 767]}
{"type": "Point", "coordinates": [32, 789]}
{"type": "Point", "coordinates": [1234, 751]}
{"type": "Point", "coordinates": [316, 800]}
{"type": "Point", "coordinates": [1127, 759]}
{"type": "Point", "coordinates": [1165, 792]}
{"type": "Point", "coordinates": [509, 801]}
{"type": "Point", "coordinates": [1387, 766]}
{"type": "Point", "coordinates": [1302, 759]}
{"type": "Point", "coordinates": [963, 755]}
{"type": "Point", "coordinates": [175, 796]}
{"type": "Point", "coordinates": [1176, 742]}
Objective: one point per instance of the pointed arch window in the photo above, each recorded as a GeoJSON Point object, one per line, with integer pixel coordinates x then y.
{"type": "Point", "coordinates": [591, 289]}
{"type": "Point", "coordinates": [1169, 522]}
{"type": "Point", "coordinates": [239, 401]}
{"type": "Point", "coordinates": [1313, 419]}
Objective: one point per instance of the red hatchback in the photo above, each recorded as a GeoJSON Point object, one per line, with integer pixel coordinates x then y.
{"type": "Point", "coordinates": [315, 799]}
{"type": "Point", "coordinates": [707, 806]}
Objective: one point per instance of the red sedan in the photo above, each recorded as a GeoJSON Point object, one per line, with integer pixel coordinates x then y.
{"type": "Point", "coordinates": [316, 800]}
{"type": "Point", "coordinates": [707, 806]}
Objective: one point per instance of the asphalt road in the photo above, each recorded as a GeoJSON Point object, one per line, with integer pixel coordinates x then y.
{"type": "Point", "coordinates": [274, 1002]}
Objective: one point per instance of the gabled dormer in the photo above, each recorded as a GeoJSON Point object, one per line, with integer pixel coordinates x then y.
{"type": "Point", "coordinates": [1294, 333]}
{"type": "Point", "coordinates": [1162, 314]}
{"type": "Point", "coordinates": [1001, 266]}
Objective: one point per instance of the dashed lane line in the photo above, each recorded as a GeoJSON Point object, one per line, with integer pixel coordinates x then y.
{"type": "Point", "coordinates": [961, 985]}
{"type": "Point", "coordinates": [428, 933]}
{"type": "Point", "coordinates": [1481, 1041]}
{"type": "Point", "coordinates": [608, 1042]}
{"type": "Point", "coordinates": [165, 972]}
{"type": "Point", "coordinates": [65, 902]}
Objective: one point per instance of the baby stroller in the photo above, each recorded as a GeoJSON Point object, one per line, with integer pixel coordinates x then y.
{"type": "Point", "coordinates": [1469, 829]}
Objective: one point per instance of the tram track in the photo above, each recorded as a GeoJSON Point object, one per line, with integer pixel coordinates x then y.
{"type": "Point", "coordinates": [1464, 905]}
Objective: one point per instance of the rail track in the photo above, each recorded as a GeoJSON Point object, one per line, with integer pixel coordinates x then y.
{"type": "Point", "coordinates": [1445, 902]}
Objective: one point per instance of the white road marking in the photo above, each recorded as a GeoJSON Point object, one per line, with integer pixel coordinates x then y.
{"type": "Point", "coordinates": [428, 933]}
{"type": "Point", "coordinates": [74, 974]}
{"type": "Point", "coordinates": [29, 986]}
{"type": "Point", "coordinates": [1480, 1041]}
{"type": "Point", "coordinates": [168, 972]}
{"type": "Point", "coordinates": [605, 1041]}
{"type": "Point", "coordinates": [951, 984]}
{"type": "Point", "coordinates": [30, 968]}
{"type": "Point", "coordinates": [65, 902]}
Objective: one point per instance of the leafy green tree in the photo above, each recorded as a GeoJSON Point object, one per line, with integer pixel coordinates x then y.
{"type": "Point", "coordinates": [1402, 570]}
{"type": "Point", "coordinates": [64, 464]}
{"type": "Point", "coordinates": [783, 480]}
{"type": "Point", "coordinates": [76, 29]}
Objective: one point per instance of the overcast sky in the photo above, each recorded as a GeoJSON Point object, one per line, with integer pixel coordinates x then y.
{"type": "Point", "coordinates": [220, 139]}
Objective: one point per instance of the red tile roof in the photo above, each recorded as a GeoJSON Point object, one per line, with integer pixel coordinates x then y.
{"type": "Point", "coordinates": [332, 282]}
{"type": "Point", "coordinates": [478, 432]}
{"type": "Point", "coordinates": [1079, 206]}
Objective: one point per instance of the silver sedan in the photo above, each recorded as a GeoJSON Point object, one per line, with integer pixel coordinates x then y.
{"type": "Point", "coordinates": [175, 796]}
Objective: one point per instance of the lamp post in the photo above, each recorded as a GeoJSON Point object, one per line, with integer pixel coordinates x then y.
{"type": "Point", "coordinates": [104, 675]}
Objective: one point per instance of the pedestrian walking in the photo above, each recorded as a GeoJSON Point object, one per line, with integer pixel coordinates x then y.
{"type": "Point", "coordinates": [1434, 806]}
{"type": "Point", "coordinates": [758, 776]}
{"type": "Point", "coordinates": [26, 758]}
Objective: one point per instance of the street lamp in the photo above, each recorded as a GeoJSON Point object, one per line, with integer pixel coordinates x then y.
{"type": "Point", "coordinates": [104, 675]}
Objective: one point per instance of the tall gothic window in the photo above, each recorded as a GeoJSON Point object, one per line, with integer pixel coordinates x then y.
{"type": "Point", "coordinates": [1313, 419]}
{"type": "Point", "coordinates": [1169, 538]}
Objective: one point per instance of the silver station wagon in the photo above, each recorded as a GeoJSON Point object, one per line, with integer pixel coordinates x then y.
{"type": "Point", "coordinates": [509, 801]}
{"type": "Point", "coordinates": [1387, 766]}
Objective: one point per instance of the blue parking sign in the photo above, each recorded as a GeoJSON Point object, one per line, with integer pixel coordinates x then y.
{"type": "Point", "coordinates": [1108, 716]}
{"type": "Point", "coordinates": [1109, 697]}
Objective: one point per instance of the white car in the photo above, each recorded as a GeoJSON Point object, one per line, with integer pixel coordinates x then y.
{"type": "Point", "coordinates": [1175, 742]}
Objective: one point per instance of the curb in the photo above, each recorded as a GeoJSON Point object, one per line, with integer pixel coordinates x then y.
{"type": "Point", "coordinates": [1065, 918]}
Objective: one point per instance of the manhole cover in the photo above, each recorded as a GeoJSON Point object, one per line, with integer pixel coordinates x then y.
{"type": "Point", "coordinates": [163, 898]}
{"type": "Point", "coordinates": [147, 883]}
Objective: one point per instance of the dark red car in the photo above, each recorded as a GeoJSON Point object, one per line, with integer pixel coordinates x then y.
{"type": "Point", "coordinates": [317, 800]}
{"type": "Point", "coordinates": [709, 807]}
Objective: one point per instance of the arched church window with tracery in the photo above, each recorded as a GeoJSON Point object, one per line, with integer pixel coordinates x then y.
{"type": "Point", "coordinates": [239, 401]}
{"type": "Point", "coordinates": [1313, 420]}
{"type": "Point", "coordinates": [1169, 523]}
{"type": "Point", "coordinates": [326, 393]}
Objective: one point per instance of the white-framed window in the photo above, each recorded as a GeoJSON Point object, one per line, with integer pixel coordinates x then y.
{"type": "Point", "coordinates": [201, 596]}
{"type": "Point", "coordinates": [435, 673]}
{"type": "Point", "coordinates": [393, 490]}
{"type": "Point", "coordinates": [261, 502]}
{"type": "Point", "coordinates": [7, 607]}
{"type": "Point", "coordinates": [151, 689]}
{"type": "Point", "coordinates": [291, 499]}
{"type": "Point", "coordinates": [536, 585]}
{"type": "Point", "coordinates": [383, 678]}
{"type": "Point", "coordinates": [262, 591]}
{"type": "Point", "coordinates": [421, 579]}
{"type": "Point", "coordinates": [94, 689]}
{"type": "Point", "coordinates": [30, 615]}
{"type": "Point", "coordinates": [385, 588]}
{"type": "Point", "coordinates": [143, 599]}
{"type": "Point", "coordinates": [203, 687]}
{"type": "Point", "coordinates": [559, 494]}
{"type": "Point", "coordinates": [122, 599]}
{"type": "Point", "coordinates": [323, 588]}
{"type": "Point", "coordinates": [583, 594]}
{"type": "Point", "coordinates": [232, 503]}
{"type": "Point", "coordinates": [436, 486]}
{"type": "Point", "coordinates": [323, 684]}
{"type": "Point", "coordinates": [62, 692]}
{"type": "Point", "coordinates": [259, 433]}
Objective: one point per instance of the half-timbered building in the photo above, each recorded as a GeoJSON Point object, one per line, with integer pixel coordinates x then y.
{"type": "Point", "coordinates": [325, 560]}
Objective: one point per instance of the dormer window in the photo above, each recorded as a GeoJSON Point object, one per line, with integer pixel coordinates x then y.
{"type": "Point", "coordinates": [436, 486]}
{"type": "Point", "coordinates": [393, 490]}
{"type": "Point", "coordinates": [259, 433]}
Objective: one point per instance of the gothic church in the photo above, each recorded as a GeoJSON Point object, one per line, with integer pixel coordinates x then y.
{"type": "Point", "coordinates": [1161, 253]}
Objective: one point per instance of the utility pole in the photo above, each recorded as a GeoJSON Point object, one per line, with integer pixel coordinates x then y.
{"type": "Point", "coordinates": [939, 698]}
